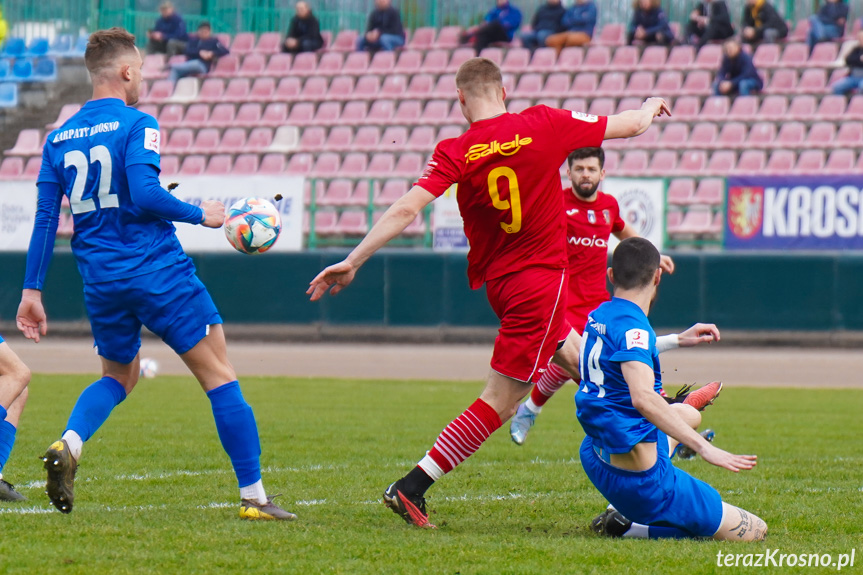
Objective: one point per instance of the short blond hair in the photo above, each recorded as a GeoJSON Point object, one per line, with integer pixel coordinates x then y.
{"type": "Point", "coordinates": [478, 76]}
{"type": "Point", "coordinates": [105, 47]}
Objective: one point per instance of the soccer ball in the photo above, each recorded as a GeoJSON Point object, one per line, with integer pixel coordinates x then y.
{"type": "Point", "coordinates": [149, 368]}
{"type": "Point", "coordinates": [252, 225]}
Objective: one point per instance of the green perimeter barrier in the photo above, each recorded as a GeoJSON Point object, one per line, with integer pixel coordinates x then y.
{"type": "Point", "coordinates": [399, 288]}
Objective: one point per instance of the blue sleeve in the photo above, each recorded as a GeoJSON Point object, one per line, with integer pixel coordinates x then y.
{"type": "Point", "coordinates": [492, 15]}
{"type": "Point", "coordinates": [220, 49]}
{"type": "Point", "coordinates": [47, 173]}
{"type": "Point", "coordinates": [642, 355]}
{"type": "Point", "coordinates": [591, 18]}
{"type": "Point", "coordinates": [723, 69]}
{"type": "Point", "coordinates": [149, 195]}
{"type": "Point", "coordinates": [661, 25]}
{"type": "Point", "coordinates": [44, 231]}
{"type": "Point", "coordinates": [192, 48]}
{"type": "Point", "coordinates": [512, 20]}
{"type": "Point", "coordinates": [144, 142]}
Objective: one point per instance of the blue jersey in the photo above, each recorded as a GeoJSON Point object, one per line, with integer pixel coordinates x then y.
{"type": "Point", "coordinates": [88, 158]}
{"type": "Point", "coordinates": [616, 332]}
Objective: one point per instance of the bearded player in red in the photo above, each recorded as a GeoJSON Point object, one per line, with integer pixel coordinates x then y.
{"type": "Point", "coordinates": [591, 217]}
{"type": "Point", "coordinates": [510, 197]}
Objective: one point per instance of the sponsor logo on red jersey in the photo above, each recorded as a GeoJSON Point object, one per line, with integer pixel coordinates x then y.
{"type": "Point", "coordinates": [745, 211]}
{"type": "Point", "coordinates": [591, 242]}
{"type": "Point", "coordinates": [510, 148]}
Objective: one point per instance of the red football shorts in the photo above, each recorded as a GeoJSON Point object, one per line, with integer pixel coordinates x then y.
{"type": "Point", "coordinates": [530, 305]}
{"type": "Point", "coordinates": [576, 315]}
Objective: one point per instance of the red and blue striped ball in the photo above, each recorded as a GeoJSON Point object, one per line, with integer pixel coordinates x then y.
{"type": "Point", "coordinates": [253, 225]}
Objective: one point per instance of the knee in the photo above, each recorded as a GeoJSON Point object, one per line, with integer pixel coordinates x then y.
{"type": "Point", "coordinates": [24, 395]}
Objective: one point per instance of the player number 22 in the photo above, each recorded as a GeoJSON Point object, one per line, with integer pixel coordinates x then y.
{"type": "Point", "coordinates": [514, 201]}
{"type": "Point", "coordinates": [77, 159]}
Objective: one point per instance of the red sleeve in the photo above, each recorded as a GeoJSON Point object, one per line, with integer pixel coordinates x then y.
{"type": "Point", "coordinates": [618, 224]}
{"type": "Point", "coordinates": [441, 172]}
{"type": "Point", "coordinates": [577, 130]}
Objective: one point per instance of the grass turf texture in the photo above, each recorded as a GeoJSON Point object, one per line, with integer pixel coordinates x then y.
{"type": "Point", "coordinates": [155, 492]}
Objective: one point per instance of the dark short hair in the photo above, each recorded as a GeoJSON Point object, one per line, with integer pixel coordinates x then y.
{"type": "Point", "coordinates": [584, 153]}
{"type": "Point", "coordinates": [105, 46]}
{"type": "Point", "coordinates": [634, 262]}
{"type": "Point", "coordinates": [204, 24]}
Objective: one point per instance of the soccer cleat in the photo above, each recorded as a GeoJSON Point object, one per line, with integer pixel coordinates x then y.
{"type": "Point", "coordinates": [684, 452]}
{"type": "Point", "coordinates": [521, 423]}
{"type": "Point", "coordinates": [8, 493]}
{"type": "Point", "coordinates": [410, 508]}
{"type": "Point", "coordinates": [254, 511]}
{"type": "Point", "coordinates": [61, 467]}
{"type": "Point", "coordinates": [610, 523]}
{"type": "Point", "coordinates": [704, 396]}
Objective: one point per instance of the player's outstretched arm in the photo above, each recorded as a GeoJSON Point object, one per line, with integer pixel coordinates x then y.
{"type": "Point", "coordinates": [699, 333]}
{"type": "Point", "coordinates": [393, 222]}
{"type": "Point", "coordinates": [640, 379]}
{"type": "Point", "coordinates": [148, 194]}
{"type": "Point", "coordinates": [633, 123]}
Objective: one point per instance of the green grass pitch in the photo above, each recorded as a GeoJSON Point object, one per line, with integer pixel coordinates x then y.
{"type": "Point", "coordinates": [155, 493]}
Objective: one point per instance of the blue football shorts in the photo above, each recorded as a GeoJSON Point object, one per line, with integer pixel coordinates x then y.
{"type": "Point", "coordinates": [663, 495]}
{"type": "Point", "coordinates": [1, 339]}
{"type": "Point", "coordinates": [171, 302]}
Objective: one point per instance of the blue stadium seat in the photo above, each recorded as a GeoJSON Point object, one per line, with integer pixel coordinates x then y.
{"type": "Point", "coordinates": [80, 46]}
{"type": "Point", "coordinates": [38, 47]}
{"type": "Point", "coordinates": [8, 95]}
{"type": "Point", "coordinates": [22, 70]}
{"type": "Point", "coordinates": [15, 48]}
{"type": "Point", "coordinates": [45, 70]}
{"type": "Point", "coordinates": [61, 45]}
{"type": "Point", "coordinates": [5, 69]}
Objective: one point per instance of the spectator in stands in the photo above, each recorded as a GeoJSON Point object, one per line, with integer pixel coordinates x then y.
{"type": "Point", "coordinates": [854, 61]}
{"type": "Point", "coordinates": [547, 20]}
{"type": "Point", "coordinates": [169, 35]}
{"type": "Point", "coordinates": [761, 22]}
{"type": "Point", "coordinates": [202, 52]}
{"type": "Point", "coordinates": [737, 73]}
{"type": "Point", "coordinates": [304, 32]}
{"type": "Point", "coordinates": [828, 24]}
{"type": "Point", "coordinates": [579, 23]}
{"type": "Point", "coordinates": [500, 25]}
{"type": "Point", "coordinates": [649, 24]}
{"type": "Point", "coordinates": [709, 21]}
{"type": "Point", "coordinates": [384, 30]}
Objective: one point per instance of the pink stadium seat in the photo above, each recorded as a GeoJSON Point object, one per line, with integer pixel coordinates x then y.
{"type": "Point", "coordinates": [708, 58]}
{"type": "Point", "coordinates": [272, 164]}
{"type": "Point", "coordinates": [409, 62]}
{"type": "Point", "coordinates": [355, 164]}
{"type": "Point", "coordinates": [154, 67]}
{"type": "Point", "coordinates": [341, 139]}
{"type": "Point", "coordinates": [421, 139]}
{"type": "Point", "coordinates": [330, 64]}
{"type": "Point", "coordinates": [301, 114]}
{"type": "Point", "coordinates": [279, 65]}
{"type": "Point", "coordinates": [612, 84]}
{"type": "Point", "coordinates": [575, 104]}
{"type": "Point", "coordinates": [695, 222]}
{"type": "Point", "coordinates": [810, 162]}
{"type": "Point", "coordinates": [408, 112]}
{"type": "Point", "coordinates": [794, 56]}
{"type": "Point", "coordinates": [345, 41]}
{"type": "Point", "coordinates": [686, 108]}
{"type": "Point", "coordinates": [243, 43]}
{"type": "Point", "coordinates": [325, 222]}
{"type": "Point", "coordinates": [314, 89]}
{"type": "Point", "coordinates": [629, 103]}
{"type": "Point", "coordinates": [634, 163]}
{"type": "Point", "coordinates": [326, 164]}
{"type": "Point", "coordinates": [837, 75]}
{"type": "Point", "coordinates": [611, 35]}
{"type": "Point", "coordinates": [850, 135]}
{"type": "Point", "coordinates": [821, 135]}
{"type": "Point", "coordinates": [225, 39]}
{"type": "Point", "coordinates": [791, 135]}
{"type": "Point", "coordinates": [841, 162]}
{"type": "Point", "coordinates": [445, 87]}
{"type": "Point", "coordinates": [662, 163]}
{"type": "Point", "coordinates": [731, 136]}
{"type": "Point", "coordinates": [179, 141]}
{"type": "Point", "coordinates": [653, 58]}
{"type": "Point", "coordinates": [435, 112]}
{"type": "Point", "coordinates": [382, 63]}
{"type": "Point", "coordinates": [601, 107]}
{"type": "Point", "coordinates": [543, 60]}
{"type": "Point", "coordinates": [32, 168]}
{"type": "Point", "coordinates": [697, 83]}
{"type": "Point", "coordinates": [159, 91]}
{"type": "Point", "coordinates": [517, 60]}
{"type": "Point", "coordinates": [420, 86]}
{"type": "Point", "coordinates": [288, 90]}
{"type": "Point", "coordinates": [448, 38]}
{"type": "Point", "coordinates": [391, 191]}
{"type": "Point", "coordinates": [380, 112]}
{"type": "Point", "coordinates": [171, 115]}
{"type": "Point", "coordinates": [557, 85]}
{"type": "Point", "coordinates": [422, 39]}
{"type": "Point", "coordinates": [212, 90]}
{"type": "Point", "coordinates": [269, 43]}
{"type": "Point", "coordinates": [409, 165]}
{"type": "Point", "coordinates": [275, 114]}
{"type": "Point", "coordinates": [354, 113]}
{"type": "Point", "coordinates": [766, 56]}
{"type": "Point", "coordinates": [669, 83]}
{"type": "Point", "coordinates": [263, 90]}
{"type": "Point", "coordinates": [459, 57]}
{"type": "Point", "coordinates": [692, 163]}
{"type": "Point", "coordinates": [222, 116]}
{"type": "Point", "coordinates": [246, 165]}
{"type": "Point", "coordinates": [612, 161]}
{"type": "Point", "coordinates": [338, 193]}
{"type": "Point", "coordinates": [226, 67]}
{"type": "Point", "coordinates": [597, 59]}
{"type": "Point", "coordinates": [170, 165]}
{"type": "Point", "coordinates": [824, 54]}
{"type": "Point", "coordinates": [341, 88]}
{"type": "Point", "coordinates": [207, 142]}
{"type": "Point", "coordinates": [640, 84]}
{"type": "Point", "coordinates": [799, 32]}
{"type": "Point", "coordinates": [721, 163]}
{"type": "Point", "coordinates": [672, 222]}
{"type": "Point", "coordinates": [517, 106]}
{"type": "Point", "coordinates": [703, 136]}
{"type": "Point", "coordinates": [455, 115]}
{"type": "Point", "coordinates": [395, 138]}
{"type": "Point", "coordinates": [680, 58]}
{"type": "Point", "coordinates": [780, 162]}
{"type": "Point", "coordinates": [802, 108]}
{"type": "Point", "coordinates": [353, 223]}
{"type": "Point", "coordinates": [680, 191]}
{"type": "Point", "coordinates": [305, 64]}
{"type": "Point", "coordinates": [761, 135]}
{"type": "Point", "coordinates": [773, 108]}
{"type": "Point", "coordinates": [312, 139]}
{"type": "Point", "coordinates": [11, 168]}
{"type": "Point", "coordinates": [625, 59]}
{"type": "Point", "coordinates": [751, 162]}
{"type": "Point", "coordinates": [193, 166]}
{"type": "Point", "coordinates": [570, 59]}
{"type": "Point", "coordinates": [259, 140]}
{"type": "Point", "coordinates": [149, 109]}
{"type": "Point", "coordinates": [744, 108]}
{"type": "Point", "coordinates": [649, 140]}
{"type": "Point", "coordinates": [584, 83]}
{"type": "Point", "coordinates": [356, 63]}
{"type": "Point", "coordinates": [855, 108]}
{"type": "Point", "coordinates": [710, 191]}
{"type": "Point", "coordinates": [494, 54]}
{"type": "Point", "coordinates": [381, 165]}
{"type": "Point", "coordinates": [675, 135]}
{"type": "Point", "coordinates": [69, 110]}
{"type": "Point", "coordinates": [367, 88]}
{"type": "Point", "coordinates": [327, 114]}
{"type": "Point", "coordinates": [393, 87]}
{"type": "Point", "coordinates": [435, 62]}
{"type": "Point", "coordinates": [781, 82]}
{"type": "Point", "coordinates": [812, 81]}
{"type": "Point", "coordinates": [253, 66]}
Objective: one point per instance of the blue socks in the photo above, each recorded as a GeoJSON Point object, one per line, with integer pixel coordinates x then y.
{"type": "Point", "coordinates": [94, 406]}
{"type": "Point", "coordinates": [238, 431]}
{"type": "Point", "coordinates": [7, 439]}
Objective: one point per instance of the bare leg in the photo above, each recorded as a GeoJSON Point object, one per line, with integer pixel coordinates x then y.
{"type": "Point", "coordinates": [567, 356]}
{"type": "Point", "coordinates": [688, 414]}
{"type": "Point", "coordinates": [14, 376]}
{"type": "Point", "coordinates": [740, 525]}
{"type": "Point", "coordinates": [126, 374]}
{"type": "Point", "coordinates": [504, 394]}
{"type": "Point", "coordinates": [208, 360]}
{"type": "Point", "coordinates": [13, 414]}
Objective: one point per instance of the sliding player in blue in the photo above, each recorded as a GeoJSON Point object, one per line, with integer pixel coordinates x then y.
{"type": "Point", "coordinates": [105, 159]}
{"type": "Point", "coordinates": [630, 427]}
{"type": "Point", "coordinates": [14, 378]}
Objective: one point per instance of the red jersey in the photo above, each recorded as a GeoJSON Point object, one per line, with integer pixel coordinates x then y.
{"type": "Point", "coordinates": [509, 191]}
{"type": "Point", "coordinates": [588, 227]}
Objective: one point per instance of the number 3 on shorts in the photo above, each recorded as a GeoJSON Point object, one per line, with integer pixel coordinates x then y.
{"type": "Point", "coordinates": [514, 201]}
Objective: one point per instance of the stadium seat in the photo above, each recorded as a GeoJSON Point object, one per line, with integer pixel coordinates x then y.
{"type": "Point", "coordinates": [62, 45]}
{"type": "Point", "coordinates": [80, 46]}
{"type": "Point", "coordinates": [212, 89]}
{"type": "Point", "coordinates": [672, 222]}
{"type": "Point", "coordinates": [583, 83]}
{"type": "Point", "coordinates": [272, 164]}
{"type": "Point", "coordinates": [780, 162]}
{"type": "Point", "coordinates": [751, 162]}
{"type": "Point", "coordinates": [408, 112]}
{"type": "Point", "coordinates": [149, 109]}
{"type": "Point", "coordinates": [275, 114]}
{"type": "Point", "coordinates": [337, 193]}
{"type": "Point", "coordinates": [732, 135]}
{"type": "Point", "coordinates": [243, 43]}
{"type": "Point", "coordinates": [263, 90]}
{"type": "Point", "coordinates": [831, 108]}
{"type": "Point", "coordinates": [157, 92]}
{"type": "Point", "coordinates": [680, 191]}
{"type": "Point", "coordinates": [394, 138]}
{"type": "Point", "coordinates": [855, 108]}
{"type": "Point", "coordinates": [179, 141]}
{"type": "Point", "coordinates": [697, 83]}
{"type": "Point", "coordinates": [355, 164]}
{"type": "Point", "coordinates": [773, 108]}
{"type": "Point", "coordinates": [695, 222]}
{"type": "Point", "coordinates": [744, 108]}
{"type": "Point", "coordinates": [542, 61]}
{"type": "Point", "coordinates": [766, 56]}
{"type": "Point", "coordinates": [224, 38]}
{"type": "Point", "coordinates": [238, 90]}
{"type": "Point", "coordinates": [171, 115]}
{"type": "Point", "coordinates": [193, 166]}
{"type": "Point", "coordinates": [32, 168]}
{"type": "Point", "coordinates": [11, 168]}
{"type": "Point", "coordinates": [802, 108]}
{"type": "Point", "coordinates": [849, 135]}
{"type": "Point", "coordinates": [391, 191]}
{"type": "Point", "coordinates": [367, 88]}
{"type": "Point", "coordinates": [709, 57]}
{"type": "Point", "coordinates": [597, 59]}
{"type": "Point", "coordinates": [653, 58]}
{"type": "Point", "coordinates": [821, 135]}
{"type": "Point", "coordinates": [331, 64]}
{"type": "Point", "coordinates": [557, 85]}
{"type": "Point", "coordinates": [14, 48]}
{"type": "Point", "coordinates": [279, 65]}
{"type": "Point", "coordinates": [314, 89]}
{"type": "Point", "coordinates": [246, 165]}
{"type": "Point", "coordinates": [393, 86]}
{"type": "Point", "coordinates": [692, 163]}
{"type": "Point", "coordinates": [353, 223]}
{"type": "Point", "coordinates": [327, 36]}
{"type": "Point", "coordinates": [169, 165]}
{"type": "Point", "coordinates": [641, 84]}
{"type": "Point", "coordinates": [259, 140]}
{"type": "Point", "coordinates": [646, 141]}
{"type": "Point", "coordinates": [435, 62]}
{"type": "Point", "coordinates": [227, 66]}
{"type": "Point", "coordinates": [612, 84]}
{"type": "Point", "coordinates": [494, 54]}
{"type": "Point", "coordinates": [304, 64]}
{"type": "Point", "coordinates": [354, 112]}
{"type": "Point", "coordinates": [721, 163]}
{"type": "Point", "coordinates": [409, 62]}
{"type": "Point", "coordinates": [253, 66]}
{"type": "Point", "coordinates": [810, 162]}
{"type": "Point", "coordinates": [448, 38]}
{"type": "Point", "coordinates": [300, 164]}
{"type": "Point", "coordinates": [381, 165]}
{"type": "Point", "coordinates": [799, 32]}
{"type": "Point", "coordinates": [5, 70]}
{"type": "Point", "coordinates": [841, 162]}
{"type": "Point", "coordinates": [761, 135]}
{"type": "Point", "coordinates": [517, 106]}
{"type": "Point", "coordinates": [313, 139]}
{"type": "Point", "coordinates": [207, 141]}
{"type": "Point", "coordinates": [154, 67]}
{"type": "Point", "coordinates": [516, 61]}
{"type": "Point", "coordinates": [612, 34]}
{"type": "Point", "coordinates": [661, 164]}
{"type": "Point", "coordinates": [570, 59]}
{"type": "Point", "coordinates": [269, 43]}
{"type": "Point", "coordinates": [285, 139]}
{"type": "Point", "coordinates": [325, 222]}
{"type": "Point", "coordinates": [66, 112]}
{"type": "Point", "coordinates": [674, 136]}
{"type": "Point", "coordinates": [301, 114]}
{"type": "Point", "coordinates": [445, 87]}
{"type": "Point", "coordinates": [625, 59]}
{"type": "Point", "coordinates": [824, 55]}
{"type": "Point", "coordinates": [686, 108]}
{"type": "Point", "coordinates": [345, 41]}
{"type": "Point", "coordinates": [703, 136]}
{"type": "Point", "coordinates": [791, 135]}
{"type": "Point", "coordinates": [455, 115]}
{"type": "Point", "coordinates": [422, 39]}
{"type": "Point", "coordinates": [794, 56]}
{"type": "Point", "coordinates": [680, 58]}
{"type": "Point", "coordinates": [340, 139]}
{"type": "Point", "coordinates": [710, 191]}
{"type": "Point", "coordinates": [380, 112]}
{"type": "Point", "coordinates": [812, 81]}
{"type": "Point", "coordinates": [288, 89]}
{"type": "Point", "coordinates": [629, 103]}
{"type": "Point", "coordinates": [382, 63]}
{"type": "Point", "coordinates": [327, 114]}
{"type": "Point", "coordinates": [781, 82]}
{"type": "Point", "coordinates": [459, 57]}
{"type": "Point", "coordinates": [575, 104]}
{"type": "Point", "coordinates": [409, 165]}
{"type": "Point", "coordinates": [435, 112]}
{"type": "Point", "coordinates": [420, 86]}
{"type": "Point", "coordinates": [341, 88]}
{"type": "Point", "coordinates": [422, 139]}
{"type": "Point", "coordinates": [612, 161]}
{"type": "Point", "coordinates": [29, 143]}
{"type": "Point", "coordinates": [601, 107]}
{"type": "Point", "coordinates": [634, 163]}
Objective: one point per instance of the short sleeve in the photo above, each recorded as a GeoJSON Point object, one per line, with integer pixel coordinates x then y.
{"type": "Point", "coordinates": [636, 344]}
{"type": "Point", "coordinates": [47, 173]}
{"type": "Point", "coordinates": [576, 129]}
{"type": "Point", "coordinates": [617, 223]}
{"type": "Point", "coordinates": [441, 171]}
{"type": "Point", "coordinates": [144, 142]}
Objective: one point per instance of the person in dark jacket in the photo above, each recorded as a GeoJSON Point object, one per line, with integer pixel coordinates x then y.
{"type": "Point", "coordinates": [578, 23]}
{"type": "Point", "coordinates": [737, 73]}
{"type": "Point", "coordinates": [828, 24]}
{"type": "Point", "coordinates": [854, 61]}
{"type": "Point", "coordinates": [384, 30]}
{"type": "Point", "coordinates": [547, 20]}
{"type": "Point", "coordinates": [304, 32]}
{"type": "Point", "coordinates": [761, 22]}
{"type": "Point", "coordinates": [649, 24]}
{"type": "Point", "coordinates": [169, 35]}
{"type": "Point", "coordinates": [202, 52]}
{"type": "Point", "coordinates": [709, 21]}
{"type": "Point", "coordinates": [500, 25]}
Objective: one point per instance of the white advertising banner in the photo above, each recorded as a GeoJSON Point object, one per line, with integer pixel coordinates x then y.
{"type": "Point", "coordinates": [642, 205]}
{"type": "Point", "coordinates": [17, 211]}
{"type": "Point", "coordinates": [448, 225]}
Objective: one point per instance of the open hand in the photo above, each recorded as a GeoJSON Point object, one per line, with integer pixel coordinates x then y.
{"type": "Point", "coordinates": [334, 278]}
{"type": "Point", "coordinates": [735, 463]}
{"type": "Point", "coordinates": [31, 319]}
